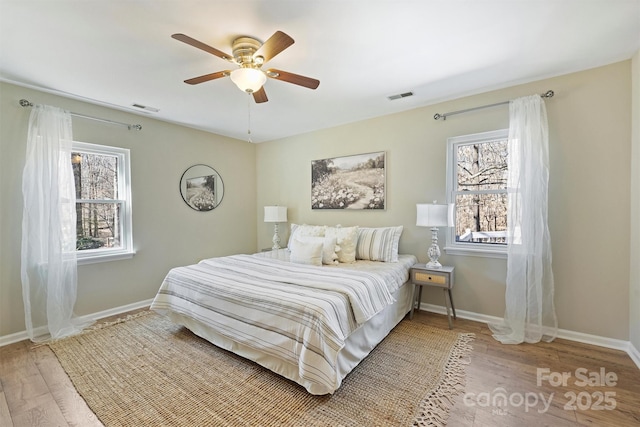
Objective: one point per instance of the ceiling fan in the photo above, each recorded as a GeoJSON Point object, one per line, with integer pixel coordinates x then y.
{"type": "Point", "coordinates": [250, 55]}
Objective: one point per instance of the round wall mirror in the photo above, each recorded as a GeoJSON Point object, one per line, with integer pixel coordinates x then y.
{"type": "Point", "coordinates": [201, 188]}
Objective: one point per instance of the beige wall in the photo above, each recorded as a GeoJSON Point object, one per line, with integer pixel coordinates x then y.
{"type": "Point", "coordinates": [591, 132]}
{"type": "Point", "coordinates": [634, 289]}
{"type": "Point", "coordinates": [589, 206]}
{"type": "Point", "coordinates": [167, 233]}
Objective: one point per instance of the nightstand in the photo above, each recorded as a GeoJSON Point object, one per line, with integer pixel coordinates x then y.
{"type": "Point", "coordinates": [421, 275]}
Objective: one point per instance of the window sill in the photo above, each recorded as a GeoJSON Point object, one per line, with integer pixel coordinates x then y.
{"type": "Point", "coordinates": [479, 252]}
{"type": "Point", "coordinates": [93, 259]}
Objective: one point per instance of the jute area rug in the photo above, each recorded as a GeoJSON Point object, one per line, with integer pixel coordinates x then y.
{"type": "Point", "coordinates": [147, 371]}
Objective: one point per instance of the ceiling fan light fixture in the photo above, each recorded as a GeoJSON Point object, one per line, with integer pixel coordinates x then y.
{"type": "Point", "coordinates": [250, 55]}
{"type": "Point", "coordinates": [248, 79]}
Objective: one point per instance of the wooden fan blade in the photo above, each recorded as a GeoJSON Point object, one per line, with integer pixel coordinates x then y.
{"type": "Point", "coordinates": [278, 42]}
{"type": "Point", "coordinates": [260, 96]}
{"type": "Point", "coordinates": [207, 77]}
{"type": "Point", "coordinates": [296, 79]}
{"type": "Point", "coordinates": [195, 43]}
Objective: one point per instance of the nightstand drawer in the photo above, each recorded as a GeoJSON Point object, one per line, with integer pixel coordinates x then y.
{"type": "Point", "coordinates": [429, 278]}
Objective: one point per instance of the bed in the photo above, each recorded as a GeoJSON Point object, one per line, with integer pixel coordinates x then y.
{"type": "Point", "coordinates": [309, 323]}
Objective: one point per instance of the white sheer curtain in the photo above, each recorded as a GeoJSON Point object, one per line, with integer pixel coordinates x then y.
{"type": "Point", "coordinates": [530, 313]}
{"type": "Point", "coordinates": [49, 265]}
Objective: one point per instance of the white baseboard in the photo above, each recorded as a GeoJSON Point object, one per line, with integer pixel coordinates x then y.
{"type": "Point", "coordinates": [634, 354]}
{"type": "Point", "coordinates": [21, 336]}
{"type": "Point", "coordinates": [613, 343]}
{"type": "Point", "coordinates": [10, 339]}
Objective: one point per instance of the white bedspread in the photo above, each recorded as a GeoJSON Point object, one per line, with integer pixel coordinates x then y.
{"type": "Point", "coordinates": [299, 313]}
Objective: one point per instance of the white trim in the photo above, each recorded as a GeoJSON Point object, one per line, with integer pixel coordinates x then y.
{"type": "Point", "coordinates": [486, 253]}
{"type": "Point", "coordinates": [105, 256]}
{"type": "Point", "coordinates": [594, 340]}
{"type": "Point", "coordinates": [12, 338]}
{"type": "Point", "coordinates": [634, 354]}
{"type": "Point", "coordinates": [612, 343]}
{"type": "Point", "coordinates": [21, 336]}
{"type": "Point", "coordinates": [119, 310]}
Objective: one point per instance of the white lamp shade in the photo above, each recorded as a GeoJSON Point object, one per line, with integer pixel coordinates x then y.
{"type": "Point", "coordinates": [275, 214]}
{"type": "Point", "coordinates": [248, 79]}
{"type": "Point", "coordinates": [432, 215]}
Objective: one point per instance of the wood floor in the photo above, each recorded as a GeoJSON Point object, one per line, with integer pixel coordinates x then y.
{"type": "Point", "coordinates": [506, 385]}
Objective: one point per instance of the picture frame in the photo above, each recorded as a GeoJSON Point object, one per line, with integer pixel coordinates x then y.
{"type": "Point", "coordinates": [354, 182]}
{"type": "Point", "coordinates": [201, 188]}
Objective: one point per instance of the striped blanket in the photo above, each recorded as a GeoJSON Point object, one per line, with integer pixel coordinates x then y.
{"type": "Point", "coordinates": [298, 313]}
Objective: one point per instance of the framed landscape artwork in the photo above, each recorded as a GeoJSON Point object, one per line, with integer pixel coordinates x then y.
{"type": "Point", "coordinates": [201, 188]}
{"type": "Point", "coordinates": [349, 182]}
{"type": "Point", "coordinates": [201, 192]}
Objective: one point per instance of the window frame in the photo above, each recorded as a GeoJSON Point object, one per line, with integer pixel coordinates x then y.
{"type": "Point", "coordinates": [452, 247]}
{"type": "Point", "coordinates": [125, 251]}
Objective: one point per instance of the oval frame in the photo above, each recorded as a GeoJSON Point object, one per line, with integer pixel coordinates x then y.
{"type": "Point", "coordinates": [201, 188]}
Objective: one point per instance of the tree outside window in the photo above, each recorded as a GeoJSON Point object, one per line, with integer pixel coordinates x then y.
{"type": "Point", "coordinates": [96, 179]}
{"type": "Point", "coordinates": [103, 211]}
{"type": "Point", "coordinates": [477, 171]}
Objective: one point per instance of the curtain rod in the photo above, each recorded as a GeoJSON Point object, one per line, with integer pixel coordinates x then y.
{"type": "Point", "coordinates": [438, 116]}
{"type": "Point", "coordinates": [26, 103]}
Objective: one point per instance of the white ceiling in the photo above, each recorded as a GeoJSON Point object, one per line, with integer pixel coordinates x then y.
{"type": "Point", "coordinates": [118, 53]}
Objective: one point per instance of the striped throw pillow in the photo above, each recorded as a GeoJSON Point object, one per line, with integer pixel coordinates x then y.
{"type": "Point", "coordinates": [378, 244]}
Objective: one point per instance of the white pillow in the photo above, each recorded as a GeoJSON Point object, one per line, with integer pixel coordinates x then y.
{"type": "Point", "coordinates": [306, 251]}
{"type": "Point", "coordinates": [378, 244]}
{"type": "Point", "coordinates": [330, 251]}
{"type": "Point", "coordinates": [346, 239]}
{"type": "Point", "coordinates": [329, 256]}
{"type": "Point", "coordinates": [306, 230]}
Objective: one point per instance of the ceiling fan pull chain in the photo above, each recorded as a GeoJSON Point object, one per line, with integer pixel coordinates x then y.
{"type": "Point", "coordinates": [249, 117]}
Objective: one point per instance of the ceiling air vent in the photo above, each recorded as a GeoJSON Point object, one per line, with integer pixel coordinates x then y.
{"type": "Point", "coordinates": [145, 108]}
{"type": "Point", "coordinates": [402, 95]}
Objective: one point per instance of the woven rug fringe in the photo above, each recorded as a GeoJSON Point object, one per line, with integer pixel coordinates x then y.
{"type": "Point", "coordinates": [434, 408]}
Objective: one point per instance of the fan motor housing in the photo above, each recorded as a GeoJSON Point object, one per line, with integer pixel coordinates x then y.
{"type": "Point", "coordinates": [243, 50]}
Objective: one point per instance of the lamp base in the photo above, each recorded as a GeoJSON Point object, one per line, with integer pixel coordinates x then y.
{"type": "Point", "coordinates": [434, 251]}
{"type": "Point", "coordinates": [433, 264]}
{"type": "Point", "coordinates": [276, 238]}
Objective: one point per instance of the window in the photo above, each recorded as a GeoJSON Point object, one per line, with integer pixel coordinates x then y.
{"type": "Point", "coordinates": [103, 202]}
{"type": "Point", "coordinates": [477, 169]}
